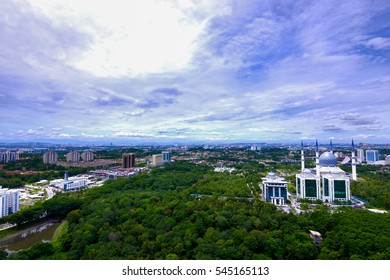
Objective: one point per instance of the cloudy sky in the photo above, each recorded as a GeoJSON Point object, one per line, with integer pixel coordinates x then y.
{"type": "Point", "coordinates": [201, 70]}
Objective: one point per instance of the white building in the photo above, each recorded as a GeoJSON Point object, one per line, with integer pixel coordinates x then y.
{"type": "Point", "coordinates": [327, 181]}
{"type": "Point", "coordinates": [9, 201]}
{"type": "Point", "coordinates": [308, 185]}
{"type": "Point", "coordinates": [223, 169]}
{"type": "Point", "coordinates": [274, 189]}
{"type": "Point", "coordinates": [157, 159]}
{"type": "Point", "coordinates": [70, 183]}
{"type": "Point", "coordinates": [50, 157]}
{"type": "Point", "coordinates": [387, 159]}
{"type": "Point", "coordinates": [360, 155]}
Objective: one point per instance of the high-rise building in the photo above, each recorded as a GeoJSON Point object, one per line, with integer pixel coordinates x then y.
{"type": "Point", "coordinates": [166, 156]}
{"type": "Point", "coordinates": [360, 155]}
{"type": "Point", "coordinates": [50, 157]}
{"type": "Point", "coordinates": [87, 156]}
{"type": "Point", "coordinates": [8, 156]}
{"type": "Point", "coordinates": [387, 159]}
{"type": "Point", "coordinates": [274, 189]}
{"type": "Point", "coordinates": [157, 159]}
{"type": "Point", "coordinates": [73, 156]}
{"type": "Point", "coordinates": [128, 160]}
{"type": "Point", "coordinates": [9, 201]}
{"type": "Point", "coordinates": [372, 155]}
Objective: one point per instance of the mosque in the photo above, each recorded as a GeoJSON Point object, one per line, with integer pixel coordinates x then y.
{"type": "Point", "coordinates": [327, 181]}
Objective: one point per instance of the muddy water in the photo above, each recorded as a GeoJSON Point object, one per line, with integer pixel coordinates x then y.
{"type": "Point", "coordinates": [29, 237]}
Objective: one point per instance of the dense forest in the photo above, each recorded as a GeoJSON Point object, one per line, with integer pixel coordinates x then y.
{"type": "Point", "coordinates": [187, 211]}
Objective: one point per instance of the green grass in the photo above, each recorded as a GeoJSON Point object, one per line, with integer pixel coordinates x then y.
{"type": "Point", "coordinates": [62, 228]}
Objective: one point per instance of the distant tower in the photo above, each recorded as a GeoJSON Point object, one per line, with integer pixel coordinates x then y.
{"type": "Point", "coordinates": [302, 157]}
{"type": "Point", "coordinates": [128, 160]}
{"type": "Point", "coordinates": [166, 156]}
{"type": "Point", "coordinates": [331, 146]}
{"type": "Point", "coordinates": [50, 157]}
{"type": "Point", "coordinates": [317, 160]}
{"type": "Point", "coordinates": [354, 176]}
{"type": "Point", "coordinates": [66, 176]}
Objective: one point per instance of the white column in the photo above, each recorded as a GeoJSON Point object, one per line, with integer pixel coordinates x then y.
{"type": "Point", "coordinates": [273, 192]}
{"type": "Point", "coordinates": [354, 176]}
{"type": "Point", "coordinates": [302, 160]}
{"type": "Point", "coordinates": [331, 190]}
{"type": "Point", "coordinates": [317, 163]}
{"type": "Point", "coordinates": [318, 188]}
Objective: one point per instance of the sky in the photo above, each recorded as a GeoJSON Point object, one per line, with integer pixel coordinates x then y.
{"type": "Point", "coordinates": [202, 70]}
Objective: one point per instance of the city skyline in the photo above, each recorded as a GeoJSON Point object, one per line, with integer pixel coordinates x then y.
{"type": "Point", "coordinates": [193, 71]}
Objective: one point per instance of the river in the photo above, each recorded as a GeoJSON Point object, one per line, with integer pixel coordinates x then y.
{"type": "Point", "coordinates": [26, 238]}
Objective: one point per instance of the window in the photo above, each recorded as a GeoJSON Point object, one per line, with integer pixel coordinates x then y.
{"type": "Point", "coordinates": [340, 189]}
{"type": "Point", "coordinates": [311, 188]}
{"type": "Point", "coordinates": [326, 187]}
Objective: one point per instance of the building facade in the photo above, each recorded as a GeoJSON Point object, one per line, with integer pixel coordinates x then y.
{"type": "Point", "coordinates": [73, 156]}
{"type": "Point", "coordinates": [166, 156]}
{"type": "Point", "coordinates": [157, 159]}
{"type": "Point", "coordinates": [372, 155]}
{"type": "Point", "coordinates": [9, 201]}
{"type": "Point", "coordinates": [8, 156]}
{"type": "Point", "coordinates": [387, 159]}
{"type": "Point", "coordinates": [274, 189]}
{"type": "Point", "coordinates": [87, 156]}
{"type": "Point", "coordinates": [50, 157]}
{"type": "Point", "coordinates": [360, 155]}
{"type": "Point", "coordinates": [128, 160]}
{"type": "Point", "coordinates": [327, 181]}
{"type": "Point", "coordinates": [308, 185]}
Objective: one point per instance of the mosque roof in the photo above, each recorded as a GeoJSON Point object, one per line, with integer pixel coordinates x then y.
{"type": "Point", "coordinates": [328, 159]}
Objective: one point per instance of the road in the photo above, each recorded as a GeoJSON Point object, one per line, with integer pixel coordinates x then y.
{"type": "Point", "coordinates": [50, 192]}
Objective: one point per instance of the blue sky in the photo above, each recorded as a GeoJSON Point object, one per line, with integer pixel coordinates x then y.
{"type": "Point", "coordinates": [177, 71]}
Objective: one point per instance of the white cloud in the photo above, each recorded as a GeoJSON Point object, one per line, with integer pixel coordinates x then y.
{"type": "Point", "coordinates": [379, 43]}
{"type": "Point", "coordinates": [129, 37]}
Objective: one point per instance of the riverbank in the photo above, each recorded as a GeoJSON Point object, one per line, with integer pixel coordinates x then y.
{"type": "Point", "coordinates": [63, 227]}
{"type": "Point", "coordinates": [17, 231]}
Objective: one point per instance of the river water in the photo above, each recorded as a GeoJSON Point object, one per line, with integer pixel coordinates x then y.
{"type": "Point", "coordinates": [29, 237]}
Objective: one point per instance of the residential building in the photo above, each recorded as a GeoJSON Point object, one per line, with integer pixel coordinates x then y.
{"type": "Point", "coordinates": [157, 159]}
{"type": "Point", "coordinates": [9, 201]}
{"type": "Point", "coordinates": [128, 160]}
{"type": "Point", "coordinates": [50, 157]}
{"type": "Point", "coordinates": [8, 156]}
{"type": "Point", "coordinates": [73, 156]}
{"type": "Point", "coordinates": [87, 156]}
{"type": "Point", "coordinates": [360, 155]}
